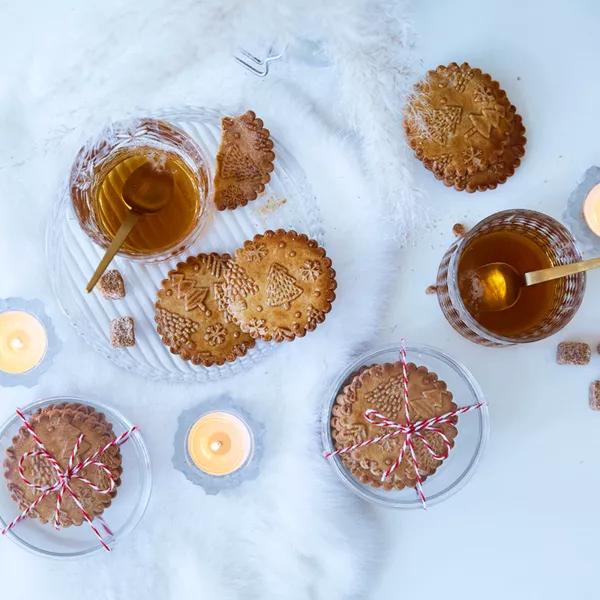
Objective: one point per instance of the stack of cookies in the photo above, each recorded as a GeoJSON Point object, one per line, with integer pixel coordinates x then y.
{"type": "Point", "coordinates": [59, 426]}
{"type": "Point", "coordinates": [462, 126]}
{"type": "Point", "coordinates": [213, 307]}
{"type": "Point", "coordinates": [380, 388]}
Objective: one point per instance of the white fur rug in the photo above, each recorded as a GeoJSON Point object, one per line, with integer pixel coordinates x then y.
{"type": "Point", "coordinates": [294, 533]}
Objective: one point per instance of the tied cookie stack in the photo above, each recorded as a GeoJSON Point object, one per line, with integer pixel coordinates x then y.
{"type": "Point", "coordinates": [462, 126]}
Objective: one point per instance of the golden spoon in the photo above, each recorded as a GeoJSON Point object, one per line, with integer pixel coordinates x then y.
{"type": "Point", "coordinates": [499, 285]}
{"type": "Point", "coordinates": [146, 191]}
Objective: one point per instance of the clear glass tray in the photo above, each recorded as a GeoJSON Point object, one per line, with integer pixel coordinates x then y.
{"type": "Point", "coordinates": [473, 428]}
{"type": "Point", "coordinates": [287, 203]}
{"type": "Point", "coordinates": [122, 516]}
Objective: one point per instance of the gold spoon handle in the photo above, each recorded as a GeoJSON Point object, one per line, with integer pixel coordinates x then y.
{"type": "Point", "coordinates": [131, 218]}
{"type": "Point", "coordinates": [562, 271]}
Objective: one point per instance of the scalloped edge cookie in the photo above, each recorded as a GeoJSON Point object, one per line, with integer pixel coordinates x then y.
{"type": "Point", "coordinates": [280, 285]}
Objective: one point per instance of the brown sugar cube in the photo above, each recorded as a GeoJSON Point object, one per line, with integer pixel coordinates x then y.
{"type": "Point", "coordinates": [459, 230]}
{"type": "Point", "coordinates": [111, 285]}
{"type": "Point", "coordinates": [432, 289]}
{"type": "Point", "coordinates": [595, 395]}
{"type": "Point", "coordinates": [122, 333]}
{"type": "Point", "coordinates": [573, 353]}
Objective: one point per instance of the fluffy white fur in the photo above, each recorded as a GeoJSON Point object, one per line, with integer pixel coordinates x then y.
{"type": "Point", "coordinates": [294, 533]}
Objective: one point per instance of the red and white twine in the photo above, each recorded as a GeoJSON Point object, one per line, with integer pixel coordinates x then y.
{"type": "Point", "coordinates": [409, 430]}
{"type": "Point", "coordinates": [64, 479]}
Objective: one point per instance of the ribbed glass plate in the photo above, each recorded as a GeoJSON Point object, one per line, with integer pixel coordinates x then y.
{"type": "Point", "coordinates": [287, 203]}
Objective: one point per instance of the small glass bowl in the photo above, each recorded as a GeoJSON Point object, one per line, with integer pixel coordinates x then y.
{"type": "Point", "coordinates": [102, 152]}
{"type": "Point", "coordinates": [473, 428]}
{"type": "Point", "coordinates": [122, 516]}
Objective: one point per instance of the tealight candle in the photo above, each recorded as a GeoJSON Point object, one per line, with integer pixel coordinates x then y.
{"type": "Point", "coordinates": [591, 209]}
{"type": "Point", "coordinates": [219, 443]}
{"type": "Point", "coordinates": [23, 342]}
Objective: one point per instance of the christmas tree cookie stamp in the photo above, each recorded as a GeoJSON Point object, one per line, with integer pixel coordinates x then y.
{"type": "Point", "coordinates": [280, 286]}
{"type": "Point", "coordinates": [191, 313]}
{"type": "Point", "coordinates": [462, 126]}
{"type": "Point", "coordinates": [380, 388]}
{"type": "Point", "coordinates": [244, 161]}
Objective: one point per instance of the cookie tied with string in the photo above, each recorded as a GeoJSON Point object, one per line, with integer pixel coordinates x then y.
{"type": "Point", "coordinates": [191, 313]}
{"type": "Point", "coordinates": [59, 426]}
{"type": "Point", "coordinates": [380, 388]}
{"type": "Point", "coordinates": [459, 122]}
{"type": "Point", "coordinates": [280, 286]}
{"type": "Point", "coordinates": [244, 161]}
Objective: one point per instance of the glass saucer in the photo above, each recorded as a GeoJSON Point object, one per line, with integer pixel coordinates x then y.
{"type": "Point", "coordinates": [473, 429]}
{"type": "Point", "coordinates": [287, 203]}
{"type": "Point", "coordinates": [122, 516]}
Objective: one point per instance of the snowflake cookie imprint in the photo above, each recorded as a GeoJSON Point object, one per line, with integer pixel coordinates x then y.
{"type": "Point", "coordinates": [191, 313]}
{"type": "Point", "coordinates": [460, 123]}
{"type": "Point", "coordinates": [380, 388]}
{"type": "Point", "coordinates": [280, 286]}
{"type": "Point", "coordinates": [59, 427]}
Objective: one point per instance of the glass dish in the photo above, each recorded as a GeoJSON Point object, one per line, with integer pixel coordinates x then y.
{"type": "Point", "coordinates": [473, 429]}
{"type": "Point", "coordinates": [122, 516]}
{"type": "Point", "coordinates": [557, 243]}
{"type": "Point", "coordinates": [288, 203]}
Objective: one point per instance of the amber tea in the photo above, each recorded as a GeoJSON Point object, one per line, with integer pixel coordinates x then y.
{"type": "Point", "coordinates": [522, 253]}
{"type": "Point", "coordinates": [154, 232]}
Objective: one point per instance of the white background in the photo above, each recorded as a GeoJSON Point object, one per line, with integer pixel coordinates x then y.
{"type": "Point", "coordinates": [527, 525]}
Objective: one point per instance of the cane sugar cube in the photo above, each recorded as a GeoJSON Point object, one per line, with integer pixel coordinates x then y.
{"type": "Point", "coordinates": [573, 353]}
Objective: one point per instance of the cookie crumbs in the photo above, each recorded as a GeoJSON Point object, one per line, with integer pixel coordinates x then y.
{"type": "Point", "coordinates": [573, 353]}
{"type": "Point", "coordinates": [459, 230]}
{"type": "Point", "coordinates": [111, 285]}
{"type": "Point", "coordinates": [595, 395]}
{"type": "Point", "coordinates": [432, 289]}
{"type": "Point", "coordinates": [122, 332]}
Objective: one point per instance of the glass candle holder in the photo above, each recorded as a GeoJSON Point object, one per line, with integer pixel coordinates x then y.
{"type": "Point", "coordinates": [559, 247]}
{"type": "Point", "coordinates": [103, 166]}
{"type": "Point", "coordinates": [582, 215]}
{"type": "Point", "coordinates": [218, 446]}
{"type": "Point", "coordinates": [28, 342]}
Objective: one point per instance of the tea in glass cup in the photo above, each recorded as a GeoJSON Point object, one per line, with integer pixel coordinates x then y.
{"type": "Point", "coordinates": [527, 241]}
{"type": "Point", "coordinates": [103, 167]}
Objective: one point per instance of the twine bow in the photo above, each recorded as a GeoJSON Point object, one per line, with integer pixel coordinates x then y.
{"type": "Point", "coordinates": [410, 430]}
{"type": "Point", "coordinates": [65, 477]}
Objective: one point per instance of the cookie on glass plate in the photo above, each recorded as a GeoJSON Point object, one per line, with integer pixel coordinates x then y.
{"type": "Point", "coordinates": [59, 426]}
{"type": "Point", "coordinates": [458, 120]}
{"type": "Point", "coordinates": [280, 286]}
{"type": "Point", "coordinates": [244, 161]}
{"type": "Point", "coordinates": [191, 313]}
{"type": "Point", "coordinates": [380, 387]}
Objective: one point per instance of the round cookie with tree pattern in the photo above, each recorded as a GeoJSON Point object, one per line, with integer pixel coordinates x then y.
{"type": "Point", "coordinates": [380, 387]}
{"type": "Point", "coordinates": [458, 120]}
{"type": "Point", "coordinates": [191, 313]}
{"type": "Point", "coordinates": [59, 426]}
{"type": "Point", "coordinates": [280, 286]}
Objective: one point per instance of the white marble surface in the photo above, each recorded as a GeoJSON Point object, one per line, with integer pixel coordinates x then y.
{"type": "Point", "coordinates": [527, 525]}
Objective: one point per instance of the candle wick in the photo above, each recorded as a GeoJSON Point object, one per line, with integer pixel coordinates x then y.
{"type": "Point", "coordinates": [214, 446]}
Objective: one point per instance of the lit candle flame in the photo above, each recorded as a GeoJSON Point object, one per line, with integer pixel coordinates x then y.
{"type": "Point", "coordinates": [214, 446]}
{"type": "Point", "coordinates": [17, 344]}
